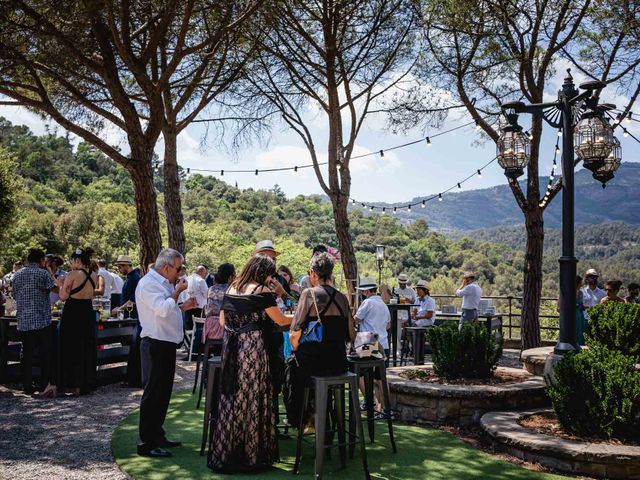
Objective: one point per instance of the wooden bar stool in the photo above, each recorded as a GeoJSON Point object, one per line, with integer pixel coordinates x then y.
{"type": "Point", "coordinates": [335, 385]}
{"type": "Point", "coordinates": [214, 367]}
{"type": "Point", "coordinates": [366, 367]}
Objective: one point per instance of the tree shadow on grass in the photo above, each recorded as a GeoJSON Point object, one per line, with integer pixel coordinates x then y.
{"type": "Point", "coordinates": [422, 454]}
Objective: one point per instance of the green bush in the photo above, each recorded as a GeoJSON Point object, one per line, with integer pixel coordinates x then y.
{"type": "Point", "coordinates": [615, 326]}
{"type": "Point", "coordinates": [469, 353]}
{"type": "Point", "coordinates": [597, 394]}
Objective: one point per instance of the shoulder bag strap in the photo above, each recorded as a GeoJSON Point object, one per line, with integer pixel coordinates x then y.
{"type": "Point", "coordinates": [313, 297]}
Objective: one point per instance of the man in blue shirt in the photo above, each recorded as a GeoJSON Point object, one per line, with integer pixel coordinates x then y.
{"type": "Point", "coordinates": [31, 288]}
{"type": "Point", "coordinates": [128, 299]}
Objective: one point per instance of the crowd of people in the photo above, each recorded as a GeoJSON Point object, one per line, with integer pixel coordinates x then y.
{"type": "Point", "coordinates": [252, 311]}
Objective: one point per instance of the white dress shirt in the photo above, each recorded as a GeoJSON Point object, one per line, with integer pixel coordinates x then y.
{"type": "Point", "coordinates": [406, 292]}
{"type": "Point", "coordinates": [590, 297]}
{"type": "Point", "coordinates": [159, 315]}
{"type": "Point", "coordinates": [471, 295]}
{"type": "Point", "coordinates": [375, 317]}
{"type": "Point", "coordinates": [108, 281]}
{"type": "Point", "coordinates": [427, 304]}
{"type": "Point", "coordinates": [198, 288]}
{"type": "Point", "coordinates": [118, 283]}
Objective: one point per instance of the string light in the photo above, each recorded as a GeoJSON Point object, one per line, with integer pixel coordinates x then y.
{"type": "Point", "coordinates": [381, 153]}
{"type": "Point", "coordinates": [408, 208]}
{"type": "Point", "coordinates": [479, 173]}
{"type": "Point", "coordinates": [628, 119]}
{"type": "Point", "coordinates": [557, 149]}
{"type": "Point", "coordinates": [424, 203]}
{"type": "Point", "coordinates": [395, 210]}
{"type": "Point", "coordinates": [384, 211]}
{"type": "Point", "coordinates": [222, 173]}
{"type": "Point", "coordinates": [477, 125]}
{"type": "Point", "coordinates": [256, 171]}
{"type": "Point", "coordinates": [459, 186]}
{"type": "Point", "coordinates": [625, 134]}
{"type": "Point", "coordinates": [530, 135]}
{"type": "Point", "coordinates": [559, 133]}
{"type": "Point", "coordinates": [439, 197]}
{"type": "Point", "coordinates": [371, 208]}
{"type": "Point", "coordinates": [295, 169]}
{"type": "Point", "coordinates": [429, 142]}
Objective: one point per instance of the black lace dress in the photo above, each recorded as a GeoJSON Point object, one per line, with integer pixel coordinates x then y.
{"type": "Point", "coordinates": [244, 433]}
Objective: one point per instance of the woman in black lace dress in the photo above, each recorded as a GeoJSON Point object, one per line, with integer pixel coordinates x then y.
{"type": "Point", "coordinates": [244, 433]}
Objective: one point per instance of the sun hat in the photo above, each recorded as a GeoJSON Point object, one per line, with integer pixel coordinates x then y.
{"type": "Point", "coordinates": [402, 278]}
{"type": "Point", "coordinates": [123, 260]}
{"type": "Point", "coordinates": [592, 272]}
{"type": "Point", "coordinates": [422, 284]}
{"type": "Point", "coordinates": [469, 274]}
{"type": "Point", "coordinates": [264, 246]}
{"type": "Point", "coordinates": [367, 283]}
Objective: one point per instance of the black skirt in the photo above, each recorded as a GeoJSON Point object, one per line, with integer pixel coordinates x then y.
{"type": "Point", "coordinates": [78, 345]}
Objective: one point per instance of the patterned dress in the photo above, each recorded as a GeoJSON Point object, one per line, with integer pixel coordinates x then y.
{"type": "Point", "coordinates": [244, 432]}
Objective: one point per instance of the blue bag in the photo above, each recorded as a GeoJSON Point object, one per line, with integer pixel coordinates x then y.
{"type": "Point", "coordinates": [313, 332]}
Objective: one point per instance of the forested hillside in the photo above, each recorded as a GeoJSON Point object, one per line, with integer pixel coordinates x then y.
{"type": "Point", "coordinates": [70, 197]}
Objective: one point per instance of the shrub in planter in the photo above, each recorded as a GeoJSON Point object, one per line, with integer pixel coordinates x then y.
{"type": "Point", "coordinates": [472, 352]}
{"type": "Point", "coordinates": [597, 394]}
{"type": "Point", "coordinates": [615, 326]}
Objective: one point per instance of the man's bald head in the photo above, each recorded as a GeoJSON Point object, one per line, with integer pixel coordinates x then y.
{"type": "Point", "coordinates": [202, 271]}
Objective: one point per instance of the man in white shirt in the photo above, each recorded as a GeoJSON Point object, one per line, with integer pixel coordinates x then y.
{"type": "Point", "coordinates": [116, 291]}
{"type": "Point", "coordinates": [471, 294]}
{"type": "Point", "coordinates": [424, 315]}
{"type": "Point", "coordinates": [161, 321]}
{"type": "Point", "coordinates": [404, 290]}
{"type": "Point", "coordinates": [373, 316]}
{"type": "Point", "coordinates": [591, 293]}
{"type": "Point", "coordinates": [107, 279]}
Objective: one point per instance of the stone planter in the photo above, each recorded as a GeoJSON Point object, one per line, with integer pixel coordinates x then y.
{"type": "Point", "coordinates": [584, 458]}
{"type": "Point", "coordinates": [461, 405]}
{"type": "Point", "coordinates": [534, 359]}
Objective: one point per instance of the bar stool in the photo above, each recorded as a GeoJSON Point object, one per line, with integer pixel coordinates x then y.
{"type": "Point", "coordinates": [207, 349]}
{"type": "Point", "coordinates": [419, 335]}
{"type": "Point", "coordinates": [214, 365]}
{"type": "Point", "coordinates": [323, 387]}
{"type": "Point", "coordinates": [366, 367]}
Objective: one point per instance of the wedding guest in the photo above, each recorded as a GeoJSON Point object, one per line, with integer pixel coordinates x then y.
{"type": "Point", "coordinates": [161, 320]}
{"type": "Point", "coordinates": [116, 292]}
{"type": "Point", "coordinates": [54, 263]}
{"type": "Point", "coordinates": [221, 280]}
{"type": "Point", "coordinates": [106, 283]}
{"type": "Point", "coordinates": [197, 288]}
{"type": "Point", "coordinates": [31, 288]}
{"type": "Point", "coordinates": [129, 308]}
{"type": "Point", "coordinates": [471, 294]}
{"type": "Point", "coordinates": [245, 430]}
{"type": "Point", "coordinates": [285, 272]}
{"type": "Point", "coordinates": [328, 357]}
{"type": "Point", "coordinates": [592, 293]}
{"type": "Point", "coordinates": [77, 325]}
{"type": "Point", "coordinates": [403, 290]}
{"type": "Point", "coordinates": [612, 288]}
{"type": "Point", "coordinates": [424, 315]}
{"type": "Point", "coordinates": [633, 293]}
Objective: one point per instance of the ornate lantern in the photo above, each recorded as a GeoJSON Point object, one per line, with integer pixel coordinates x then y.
{"type": "Point", "coordinates": [593, 139]}
{"type": "Point", "coordinates": [610, 164]}
{"type": "Point", "coordinates": [379, 252]}
{"type": "Point", "coordinates": [513, 148]}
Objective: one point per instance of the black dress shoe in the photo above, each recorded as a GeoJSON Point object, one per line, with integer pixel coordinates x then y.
{"type": "Point", "coordinates": [154, 452]}
{"type": "Point", "coordinates": [164, 443]}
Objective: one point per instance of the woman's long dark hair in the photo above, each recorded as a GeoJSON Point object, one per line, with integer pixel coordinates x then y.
{"type": "Point", "coordinates": [257, 270]}
{"type": "Point", "coordinates": [225, 271]}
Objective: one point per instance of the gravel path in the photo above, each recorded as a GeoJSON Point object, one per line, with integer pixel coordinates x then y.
{"type": "Point", "coordinates": [67, 438]}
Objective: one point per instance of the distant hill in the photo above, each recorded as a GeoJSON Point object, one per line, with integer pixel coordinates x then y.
{"type": "Point", "coordinates": [491, 207]}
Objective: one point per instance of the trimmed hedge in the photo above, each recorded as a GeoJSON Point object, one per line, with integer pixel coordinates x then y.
{"type": "Point", "coordinates": [597, 394]}
{"type": "Point", "coordinates": [616, 326]}
{"type": "Point", "coordinates": [469, 353]}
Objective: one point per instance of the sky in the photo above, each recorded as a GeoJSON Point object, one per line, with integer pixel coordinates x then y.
{"type": "Point", "coordinates": [397, 177]}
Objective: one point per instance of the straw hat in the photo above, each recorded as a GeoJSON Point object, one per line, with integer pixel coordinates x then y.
{"type": "Point", "coordinates": [402, 278]}
{"type": "Point", "coordinates": [469, 274]}
{"type": "Point", "coordinates": [123, 260]}
{"type": "Point", "coordinates": [367, 283]}
{"type": "Point", "coordinates": [422, 284]}
{"type": "Point", "coordinates": [266, 246]}
{"type": "Point", "coordinates": [591, 272]}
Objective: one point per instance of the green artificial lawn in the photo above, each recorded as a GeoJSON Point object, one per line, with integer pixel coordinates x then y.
{"type": "Point", "coordinates": [422, 454]}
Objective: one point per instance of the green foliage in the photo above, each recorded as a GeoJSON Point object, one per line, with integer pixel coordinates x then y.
{"type": "Point", "coordinates": [471, 352]}
{"type": "Point", "coordinates": [9, 185]}
{"type": "Point", "coordinates": [615, 326]}
{"type": "Point", "coordinates": [597, 393]}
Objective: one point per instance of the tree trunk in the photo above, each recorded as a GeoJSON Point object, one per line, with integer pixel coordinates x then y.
{"type": "Point", "coordinates": [146, 212]}
{"type": "Point", "coordinates": [530, 332]}
{"type": "Point", "coordinates": [172, 202]}
{"type": "Point", "coordinates": [345, 244]}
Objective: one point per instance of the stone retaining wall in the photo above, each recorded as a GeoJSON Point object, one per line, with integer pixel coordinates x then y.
{"type": "Point", "coordinates": [461, 405]}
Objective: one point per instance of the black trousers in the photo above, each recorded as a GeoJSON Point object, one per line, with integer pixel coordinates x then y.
{"type": "Point", "coordinates": [158, 359]}
{"type": "Point", "coordinates": [42, 339]}
{"type": "Point", "coordinates": [133, 363]}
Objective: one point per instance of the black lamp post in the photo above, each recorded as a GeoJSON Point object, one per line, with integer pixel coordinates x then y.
{"type": "Point", "coordinates": [595, 145]}
{"type": "Point", "coordinates": [380, 260]}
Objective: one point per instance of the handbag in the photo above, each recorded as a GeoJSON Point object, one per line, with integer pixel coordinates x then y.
{"type": "Point", "coordinates": [313, 332]}
{"type": "Point", "coordinates": [366, 344]}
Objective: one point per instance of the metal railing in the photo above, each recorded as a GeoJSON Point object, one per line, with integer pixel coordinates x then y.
{"type": "Point", "coordinates": [510, 308]}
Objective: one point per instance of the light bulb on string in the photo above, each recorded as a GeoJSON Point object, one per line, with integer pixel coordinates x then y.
{"type": "Point", "coordinates": [559, 133]}
{"type": "Point", "coordinates": [295, 169]}
{"type": "Point", "coordinates": [222, 173]}
{"type": "Point", "coordinates": [408, 208]}
{"type": "Point", "coordinates": [381, 153]}
{"type": "Point", "coordinates": [395, 210]}
{"type": "Point", "coordinates": [353, 201]}
{"type": "Point", "coordinates": [628, 118]}
{"type": "Point", "coordinates": [371, 208]}
{"type": "Point", "coordinates": [424, 203]}
{"type": "Point", "coordinates": [384, 211]}
{"type": "Point", "coordinates": [439, 197]}
{"type": "Point", "coordinates": [459, 186]}
{"type": "Point", "coordinates": [429, 142]}
{"type": "Point", "coordinates": [618, 119]}
{"type": "Point", "coordinates": [479, 173]}
{"type": "Point", "coordinates": [625, 134]}
{"type": "Point", "coordinates": [530, 135]}
{"type": "Point", "coordinates": [557, 149]}
{"type": "Point", "coordinates": [256, 171]}
{"type": "Point", "coordinates": [477, 125]}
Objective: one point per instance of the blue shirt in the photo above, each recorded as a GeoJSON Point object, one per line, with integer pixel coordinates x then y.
{"type": "Point", "coordinates": [129, 289]}
{"type": "Point", "coordinates": [31, 288]}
